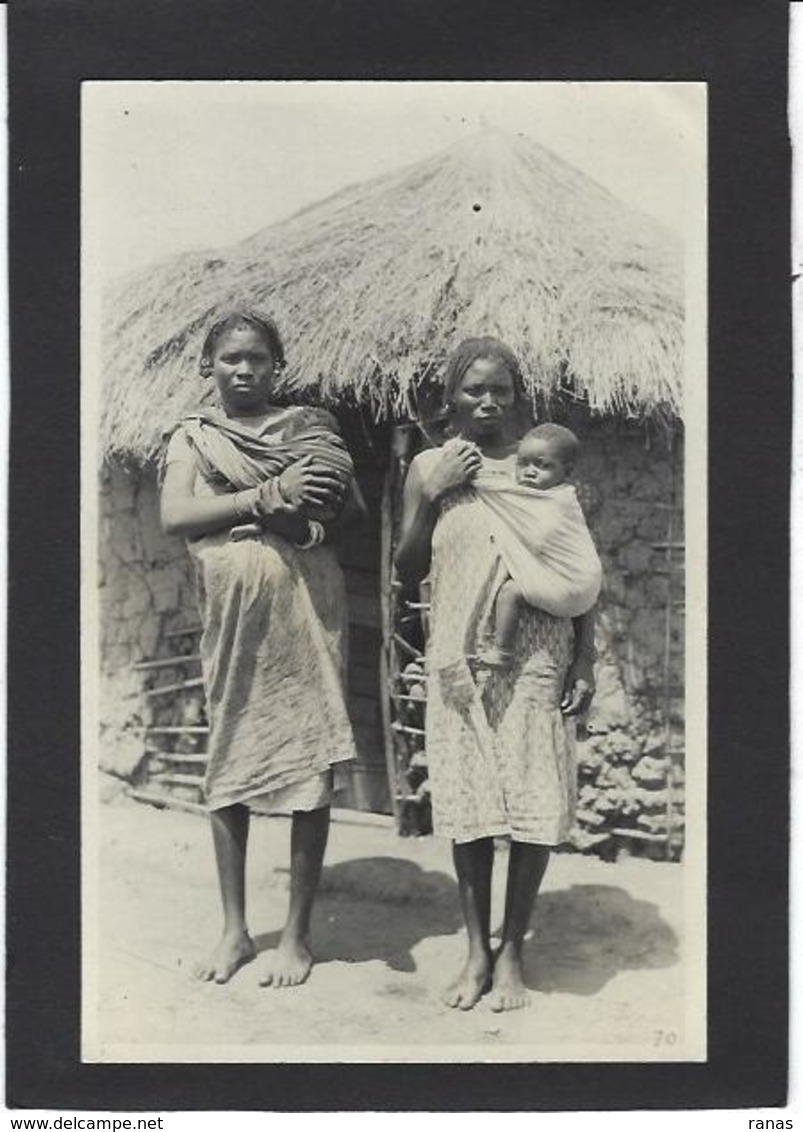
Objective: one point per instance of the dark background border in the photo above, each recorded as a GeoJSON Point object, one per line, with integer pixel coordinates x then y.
{"type": "Point", "coordinates": [740, 50]}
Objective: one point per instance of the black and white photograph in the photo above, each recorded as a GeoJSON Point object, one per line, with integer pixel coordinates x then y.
{"type": "Point", "coordinates": [393, 571]}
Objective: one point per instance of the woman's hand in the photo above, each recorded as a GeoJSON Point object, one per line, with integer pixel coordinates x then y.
{"type": "Point", "coordinates": [306, 482]}
{"type": "Point", "coordinates": [579, 686]}
{"type": "Point", "coordinates": [459, 462]}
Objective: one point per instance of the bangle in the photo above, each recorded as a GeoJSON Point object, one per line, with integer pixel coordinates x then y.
{"type": "Point", "coordinates": [245, 504]}
{"type": "Point", "coordinates": [315, 537]}
{"type": "Point", "coordinates": [279, 492]}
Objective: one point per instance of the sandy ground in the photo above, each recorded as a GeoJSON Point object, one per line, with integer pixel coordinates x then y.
{"type": "Point", "coordinates": [603, 961]}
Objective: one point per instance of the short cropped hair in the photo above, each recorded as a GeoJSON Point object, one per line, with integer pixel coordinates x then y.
{"type": "Point", "coordinates": [564, 438]}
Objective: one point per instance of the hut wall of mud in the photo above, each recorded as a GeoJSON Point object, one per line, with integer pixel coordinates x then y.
{"type": "Point", "coordinates": [631, 779]}
{"type": "Point", "coordinates": [145, 589]}
{"type": "Point", "coordinates": [630, 484]}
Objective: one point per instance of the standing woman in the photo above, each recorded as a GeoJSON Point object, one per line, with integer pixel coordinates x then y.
{"type": "Point", "coordinates": [515, 775]}
{"type": "Point", "coordinates": [257, 491]}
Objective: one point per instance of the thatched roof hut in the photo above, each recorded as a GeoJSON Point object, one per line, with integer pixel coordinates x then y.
{"type": "Point", "coordinates": [375, 284]}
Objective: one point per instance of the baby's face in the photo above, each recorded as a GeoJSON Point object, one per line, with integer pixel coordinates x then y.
{"type": "Point", "coordinates": [540, 464]}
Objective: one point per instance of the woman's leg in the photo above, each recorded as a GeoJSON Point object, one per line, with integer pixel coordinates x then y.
{"type": "Point", "coordinates": [525, 872]}
{"type": "Point", "coordinates": [291, 962]}
{"type": "Point", "coordinates": [473, 862]}
{"type": "Point", "coordinates": [230, 836]}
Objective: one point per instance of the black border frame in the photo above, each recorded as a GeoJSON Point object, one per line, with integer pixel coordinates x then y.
{"type": "Point", "coordinates": [739, 49]}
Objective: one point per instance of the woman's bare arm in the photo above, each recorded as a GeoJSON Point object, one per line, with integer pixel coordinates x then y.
{"type": "Point", "coordinates": [184, 514]}
{"type": "Point", "coordinates": [419, 516]}
{"type": "Point", "coordinates": [452, 466]}
{"type": "Point", "coordinates": [580, 686]}
{"type": "Point", "coordinates": [584, 627]}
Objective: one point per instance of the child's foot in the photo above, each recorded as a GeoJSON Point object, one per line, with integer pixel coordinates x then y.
{"type": "Point", "coordinates": [234, 950]}
{"type": "Point", "coordinates": [470, 985]}
{"type": "Point", "coordinates": [494, 657]}
{"type": "Point", "coordinates": [509, 991]}
{"type": "Point", "coordinates": [289, 965]}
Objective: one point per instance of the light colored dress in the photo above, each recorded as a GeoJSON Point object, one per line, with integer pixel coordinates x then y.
{"type": "Point", "coordinates": [517, 776]}
{"type": "Point", "coordinates": [273, 660]}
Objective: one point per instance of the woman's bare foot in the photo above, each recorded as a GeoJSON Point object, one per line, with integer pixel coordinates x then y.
{"type": "Point", "coordinates": [289, 965]}
{"type": "Point", "coordinates": [470, 985]}
{"type": "Point", "coordinates": [509, 991]}
{"type": "Point", "coordinates": [234, 950]}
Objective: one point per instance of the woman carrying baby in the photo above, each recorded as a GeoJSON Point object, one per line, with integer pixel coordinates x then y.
{"type": "Point", "coordinates": [500, 737]}
{"type": "Point", "coordinates": [258, 491]}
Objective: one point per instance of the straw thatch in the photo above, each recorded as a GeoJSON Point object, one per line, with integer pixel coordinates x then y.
{"type": "Point", "coordinates": [374, 285]}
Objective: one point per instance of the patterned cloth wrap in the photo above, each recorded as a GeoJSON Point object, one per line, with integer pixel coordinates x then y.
{"type": "Point", "coordinates": [500, 751]}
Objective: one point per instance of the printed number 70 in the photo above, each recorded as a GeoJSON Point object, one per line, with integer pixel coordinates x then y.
{"type": "Point", "coordinates": [664, 1037]}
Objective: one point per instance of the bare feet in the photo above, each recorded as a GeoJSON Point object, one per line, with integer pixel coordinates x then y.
{"type": "Point", "coordinates": [289, 965]}
{"type": "Point", "coordinates": [509, 991]}
{"type": "Point", "coordinates": [234, 950]}
{"type": "Point", "coordinates": [470, 985]}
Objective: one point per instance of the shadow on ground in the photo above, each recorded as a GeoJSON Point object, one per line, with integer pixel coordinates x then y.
{"type": "Point", "coordinates": [410, 904]}
{"type": "Point", "coordinates": [583, 936]}
{"type": "Point", "coordinates": [587, 934]}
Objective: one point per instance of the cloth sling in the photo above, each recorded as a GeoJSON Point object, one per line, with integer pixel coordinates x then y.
{"type": "Point", "coordinates": [544, 543]}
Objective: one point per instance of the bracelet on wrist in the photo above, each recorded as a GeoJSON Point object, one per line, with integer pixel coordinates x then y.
{"type": "Point", "coordinates": [279, 489]}
{"type": "Point", "coordinates": [256, 509]}
{"type": "Point", "coordinates": [245, 503]}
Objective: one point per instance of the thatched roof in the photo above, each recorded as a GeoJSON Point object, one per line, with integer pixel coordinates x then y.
{"type": "Point", "coordinates": [372, 287]}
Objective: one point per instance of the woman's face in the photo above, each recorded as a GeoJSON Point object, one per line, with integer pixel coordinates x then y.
{"type": "Point", "coordinates": [485, 399]}
{"type": "Point", "coordinates": [243, 368]}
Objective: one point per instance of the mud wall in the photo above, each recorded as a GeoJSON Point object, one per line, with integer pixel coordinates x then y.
{"type": "Point", "coordinates": [631, 760]}
{"type": "Point", "coordinates": [145, 587]}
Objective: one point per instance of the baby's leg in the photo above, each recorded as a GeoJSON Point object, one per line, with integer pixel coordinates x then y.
{"type": "Point", "coordinates": [507, 613]}
{"type": "Point", "coordinates": [509, 603]}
